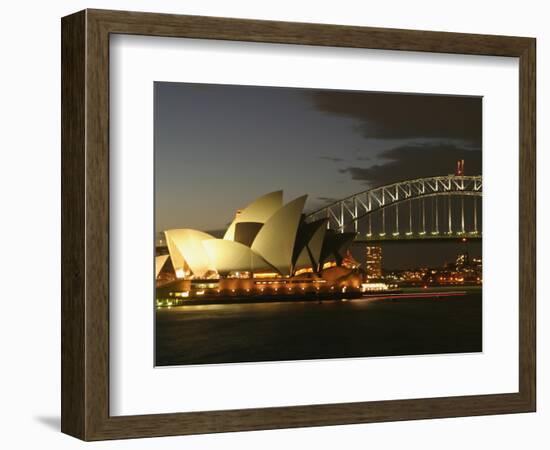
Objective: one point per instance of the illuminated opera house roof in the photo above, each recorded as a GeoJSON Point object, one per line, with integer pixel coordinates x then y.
{"type": "Point", "coordinates": [265, 238]}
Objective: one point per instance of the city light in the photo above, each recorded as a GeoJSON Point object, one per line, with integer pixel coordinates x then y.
{"type": "Point", "coordinates": [180, 273]}
{"type": "Point", "coordinates": [302, 271]}
{"type": "Point", "coordinates": [266, 275]}
{"type": "Point", "coordinates": [180, 294]}
{"type": "Point", "coordinates": [462, 271]}
{"type": "Point", "coordinates": [373, 262]}
{"type": "Point", "coordinates": [374, 287]}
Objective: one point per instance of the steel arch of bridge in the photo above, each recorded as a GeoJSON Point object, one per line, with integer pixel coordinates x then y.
{"type": "Point", "coordinates": [349, 210]}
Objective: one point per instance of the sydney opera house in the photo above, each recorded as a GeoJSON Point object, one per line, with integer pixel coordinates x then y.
{"type": "Point", "coordinates": [269, 249]}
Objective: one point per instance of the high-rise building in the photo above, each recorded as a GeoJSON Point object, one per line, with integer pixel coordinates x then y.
{"type": "Point", "coordinates": [373, 265]}
{"type": "Point", "coordinates": [462, 260]}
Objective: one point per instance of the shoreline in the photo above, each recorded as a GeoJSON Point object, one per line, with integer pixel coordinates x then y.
{"type": "Point", "coordinates": [394, 295]}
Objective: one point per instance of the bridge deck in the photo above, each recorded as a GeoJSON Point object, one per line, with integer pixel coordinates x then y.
{"type": "Point", "coordinates": [401, 237]}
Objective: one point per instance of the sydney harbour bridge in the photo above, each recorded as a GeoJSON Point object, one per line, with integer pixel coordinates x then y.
{"type": "Point", "coordinates": [439, 207]}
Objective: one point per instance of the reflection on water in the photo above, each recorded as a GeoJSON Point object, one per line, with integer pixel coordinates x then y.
{"type": "Point", "coordinates": [204, 334]}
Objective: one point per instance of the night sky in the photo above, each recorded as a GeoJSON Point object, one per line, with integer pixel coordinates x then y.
{"type": "Point", "coordinates": [218, 147]}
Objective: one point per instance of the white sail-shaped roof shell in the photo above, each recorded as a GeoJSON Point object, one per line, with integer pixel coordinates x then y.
{"type": "Point", "coordinates": [185, 247]}
{"type": "Point", "coordinates": [303, 260]}
{"type": "Point", "coordinates": [260, 210]}
{"type": "Point", "coordinates": [311, 252]}
{"type": "Point", "coordinates": [175, 256]}
{"type": "Point", "coordinates": [228, 256]}
{"type": "Point", "coordinates": [315, 244]}
{"type": "Point", "coordinates": [275, 241]}
{"type": "Point", "coordinates": [159, 263]}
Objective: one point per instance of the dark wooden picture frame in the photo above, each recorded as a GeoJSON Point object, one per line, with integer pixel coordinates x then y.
{"type": "Point", "coordinates": [85, 224]}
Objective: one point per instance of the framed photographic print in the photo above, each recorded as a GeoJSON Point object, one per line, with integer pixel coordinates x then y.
{"type": "Point", "coordinates": [270, 224]}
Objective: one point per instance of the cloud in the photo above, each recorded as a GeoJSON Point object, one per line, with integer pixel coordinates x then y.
{"type": "Point", "coordinates": [416, 161]}
{"type": "Point", "coordinates": [406, 116]}
{"type": "Point", "coordinates": [330, 158]}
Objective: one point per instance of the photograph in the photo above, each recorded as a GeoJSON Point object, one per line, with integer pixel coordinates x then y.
{"type": "Point", "coordinates": [304, 224]}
